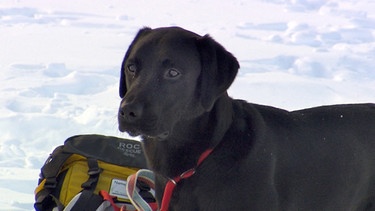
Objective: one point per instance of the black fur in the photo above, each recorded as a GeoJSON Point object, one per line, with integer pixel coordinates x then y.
{"type": "Point", "coordinates": [264, 158]}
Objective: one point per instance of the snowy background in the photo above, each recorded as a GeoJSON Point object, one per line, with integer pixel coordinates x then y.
{"type": "Point", "coordinates": [60, 61]}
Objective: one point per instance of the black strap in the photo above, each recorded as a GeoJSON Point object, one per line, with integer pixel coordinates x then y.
{"type": "Point", "coordinates": [49, 172]}
{"type": "Point", "coordinates": [93, 172]}
{"type": "Point", "coordinates": [88, 201]}
{"type": "Point", "coordinates": [53, 165]}
{"type": "Point", "coordinates": [59, 205]}
{"type": "Point", "coordinates": [43, 201]}
{"type": "Point", "coordinates": [144, 191]}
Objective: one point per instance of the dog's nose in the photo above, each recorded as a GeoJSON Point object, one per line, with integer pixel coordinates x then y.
{"type": "Point", "coordinates": [130, 111]}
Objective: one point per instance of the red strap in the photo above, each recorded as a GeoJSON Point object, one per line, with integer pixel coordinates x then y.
{"type": "Point", "coordinates": [109, 198]}
{"type": "Point", "coordinates": [203, 156]}
{"type": "Point", "coordinates": [171, 184]}
{"type": "Point", "coordinates": [154, 206]}
{"type": "Point", "coordinates": [168, 190]}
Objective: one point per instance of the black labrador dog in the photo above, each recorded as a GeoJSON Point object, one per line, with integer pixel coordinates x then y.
{"type": "Point", "coordinates": [174, 95]}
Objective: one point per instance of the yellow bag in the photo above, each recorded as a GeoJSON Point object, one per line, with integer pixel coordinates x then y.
{"type": "Point", "coordinates": [87, 164]}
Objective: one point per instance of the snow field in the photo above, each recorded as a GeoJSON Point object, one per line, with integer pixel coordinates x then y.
{"type": "Point", "coordinates": [60, 63]}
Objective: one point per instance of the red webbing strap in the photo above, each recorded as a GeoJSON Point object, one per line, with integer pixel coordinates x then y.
{"type": "Point", "coordinates": [109, 198]}
{"type": "Point", "coordinates": [203, 156]}
{"type": "Point", "coordinates": [154, 205]}
{"type": "Point", "coordinates": [168, 190]}
{"type": "Point", "coordinates": [171, 184]}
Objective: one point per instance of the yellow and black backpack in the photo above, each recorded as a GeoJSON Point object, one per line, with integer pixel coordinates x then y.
{"type": "Point", "coordinates": [88, 169]}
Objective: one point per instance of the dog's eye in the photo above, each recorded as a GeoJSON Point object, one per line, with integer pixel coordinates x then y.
{"type": "Point", "coordinates": [132, 68]}
{"type": "Point", "coordinates": [172, 73]}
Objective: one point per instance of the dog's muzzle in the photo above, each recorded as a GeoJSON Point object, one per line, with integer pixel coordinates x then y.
{"type": "Point", "coordinates": [131, 119]}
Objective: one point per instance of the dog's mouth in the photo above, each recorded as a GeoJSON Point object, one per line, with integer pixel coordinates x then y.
{"type": "Point", "coordinates": [145, 128]}
{"type": "Point", "coordinates": [161, 136]}
{"type": "Point", "coordinates": [145, 134]}
{"type": "Point", "coordinates": [132, 133]}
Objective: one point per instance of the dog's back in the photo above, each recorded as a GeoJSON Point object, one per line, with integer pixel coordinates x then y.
{"type": "Point", "coordinates": [324, 156]}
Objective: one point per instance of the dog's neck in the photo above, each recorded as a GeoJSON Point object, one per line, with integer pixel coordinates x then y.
{"type": "Point", "coordinates": [176, 154]}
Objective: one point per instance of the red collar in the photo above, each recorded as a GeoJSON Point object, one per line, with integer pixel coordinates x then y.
{"type": "Point", "coordinates": [171, 184]}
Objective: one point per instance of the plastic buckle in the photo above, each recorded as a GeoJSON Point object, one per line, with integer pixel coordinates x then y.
{"type": "Point", "coordinates": [94, 171]}
{"type": "Point", "coordinates": [50, 182]}
{"type": "Point", "coordinates": [188, 173]}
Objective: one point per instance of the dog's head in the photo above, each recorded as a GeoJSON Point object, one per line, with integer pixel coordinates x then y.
{"type": "Point", "coordinates": [168, 75]}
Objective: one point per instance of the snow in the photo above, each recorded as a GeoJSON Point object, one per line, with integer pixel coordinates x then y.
{"type": "Point", "coordinates": [60, 61]}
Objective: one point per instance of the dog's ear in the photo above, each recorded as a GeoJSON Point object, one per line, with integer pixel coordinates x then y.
{"type": "Point", "coordinates": [122, 88]}
{"type": "Point", "coordinates": [219, 68]}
